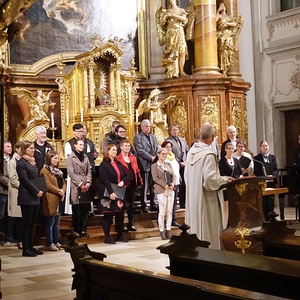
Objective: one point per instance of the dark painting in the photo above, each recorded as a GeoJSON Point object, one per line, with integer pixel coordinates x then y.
{"type": "Point", "coordinates": [56, 26]}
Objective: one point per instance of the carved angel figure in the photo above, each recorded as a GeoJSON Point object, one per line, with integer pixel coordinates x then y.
{"type": "Point", "coordinates": [38, 105]}
{"type": "Point", "coordinates": [154, 106]}
{"type": "Point", "coordinates": [173, 26]}
{"type": "Point", "coordinates": [228, 31]}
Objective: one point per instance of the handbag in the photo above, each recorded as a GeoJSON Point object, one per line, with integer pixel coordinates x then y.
{"type": "Point", "coordinates": [119, 191]}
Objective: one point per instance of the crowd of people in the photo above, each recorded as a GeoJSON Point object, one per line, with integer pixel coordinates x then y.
{"type": "Point", "coordinates": [163, 174]}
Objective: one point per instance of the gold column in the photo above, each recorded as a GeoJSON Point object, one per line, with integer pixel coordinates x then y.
{"type": "Point", "coordinates": [85, 88]}
{"type": "Point", "coordinates": [206, 47]}
{"type": "Point", "coordinates": [232, 10]}
{"type": "Point", "coordinates": [92, 84]}
{"type": "Point", "coordinates": [112, 83]}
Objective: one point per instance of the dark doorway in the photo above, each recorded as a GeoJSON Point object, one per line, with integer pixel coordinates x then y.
{"type": "Point", "coordinates": [292, 130]}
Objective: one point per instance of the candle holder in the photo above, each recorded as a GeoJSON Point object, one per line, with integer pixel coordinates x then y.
{"type": "Point", "coordinates": [67, 131]}
{"type": "Point", "coordinates": [53, 130]}
{"type": "Point", "coordinates": [136, 126]}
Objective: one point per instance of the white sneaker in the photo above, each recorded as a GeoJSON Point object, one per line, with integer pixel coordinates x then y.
{"type": "Point", "coordinates": [59, 246]}
{"type": "Point", "coordinates": [52, 247]}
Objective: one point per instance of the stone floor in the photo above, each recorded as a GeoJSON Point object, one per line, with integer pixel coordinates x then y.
{"type": "Point", "coordinates": [48, 276]}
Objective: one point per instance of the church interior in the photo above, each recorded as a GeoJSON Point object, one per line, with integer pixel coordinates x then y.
{"type": "Point", "coordinates": [93, 62]}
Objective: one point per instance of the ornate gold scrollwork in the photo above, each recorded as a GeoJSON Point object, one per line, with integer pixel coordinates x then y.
{"type": "Point", "coordinates": [262, 185]}
{"type": "Point", "coordinates": [242, 244]}
{"type": "Point", "coordinates": [210, 111]}
{"type": "Point", "coordinates": [240, 188]}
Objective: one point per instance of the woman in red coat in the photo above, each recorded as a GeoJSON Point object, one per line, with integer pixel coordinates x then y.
{"type": "Point", "coordinates": [129, 161]}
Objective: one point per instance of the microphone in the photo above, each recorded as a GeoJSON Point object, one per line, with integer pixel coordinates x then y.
{"type": "Point", "coordinates": [263, 166]}
{"type": "Point", "coordinates": [232, 172]}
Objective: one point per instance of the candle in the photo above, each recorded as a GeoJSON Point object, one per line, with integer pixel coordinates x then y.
{"type": "Point", "coordinates": [67, 117]}
{"type": "Point", "coordinates": [81, 114]}
{"type": "Point", "coordinates": [52, 120]}
{"type": "Point", "coordinates": [136, 116]}
{"type": "Point", "coordinates": [165, 120]}
{"type": "Point", "coordinates": [151, 116]}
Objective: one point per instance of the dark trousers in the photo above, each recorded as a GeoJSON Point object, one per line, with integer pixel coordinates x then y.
{"type": "Point", "coordinates": [175, 203]}
{"type": "Point", "coordinates": [130, 198]}
{"type": "Point", "coordinates": [108, 220]}
{"type": "Point", "coordinates": [29, 217]}
{"type": "Point", "coordinates": [182, 188]}
{"type": "Point", "coordinates": [14, 228]}
{"type": "Point", "coordinates": [80, 215]}
{"type": "Point", "coordinates": [268, 205]}
{"type": "Point", "coordinates": [148, 184]}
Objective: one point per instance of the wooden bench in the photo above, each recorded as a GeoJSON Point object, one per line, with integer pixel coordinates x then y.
{"type": "Point", "coordinates": [102, 280]}
{"type": "Point", "coordinates": [269, 275]}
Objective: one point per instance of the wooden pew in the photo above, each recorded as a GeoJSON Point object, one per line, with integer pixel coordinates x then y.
{"type": "Point", "coordinates": [269, 275]}
{"type": "Point", "coordinates": [102, 280]}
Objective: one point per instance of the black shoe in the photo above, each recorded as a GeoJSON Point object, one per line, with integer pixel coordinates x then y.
{"type": "Point", "coordinates": [28, 253]}
{"type": "Point", "coordinates": [108, 240]}
{"type": "Point", "coordinates": [12, 240]}
{"type": "Point", "coordinates": [131, 228]}
{"type": "Point", "coordinates": [121, 239]}
{"type": "Point", "coordinates": [36, 251]}
{"type": "Point", "coordinates": [125, 229]}
{"type": "Point", "coordinates": [154, 208]}
{"type": "Point", "coordinates": [145, 210]}
{"type": "Point", "coordinates": [174, 223]}
{"type": "Point", "coordinates": [83, 234]}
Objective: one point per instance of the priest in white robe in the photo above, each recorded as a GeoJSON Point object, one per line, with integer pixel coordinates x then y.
{"type": "Point", "coordinates": [204, 211]}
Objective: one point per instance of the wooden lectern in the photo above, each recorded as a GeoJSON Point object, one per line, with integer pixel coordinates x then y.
{"type": "Point", "coordinates": [245, 214]}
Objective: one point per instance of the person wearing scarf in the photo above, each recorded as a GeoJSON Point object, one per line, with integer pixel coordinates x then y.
{"type": "Point", "coordinates": [28, 197]}
{"type": "Point", "coordinates": [111, 171]}
{"type": "Point", "coordinates": [129, 162]}
{"type": "Point", "coordinates": [80, 173]}
{"type": "Point", "coordinates": [171, 159]}
{"type": "Point", "coordinates": [53, 204]}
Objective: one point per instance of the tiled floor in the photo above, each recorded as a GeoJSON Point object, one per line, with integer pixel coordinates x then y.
{"type": "Point", "coordinates": [48, 276]}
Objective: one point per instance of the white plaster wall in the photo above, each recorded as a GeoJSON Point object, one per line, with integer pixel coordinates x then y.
{"type": "Point", "coordinates": [276, 49]}
{"type": "Point", "coordinates": [247, 68]}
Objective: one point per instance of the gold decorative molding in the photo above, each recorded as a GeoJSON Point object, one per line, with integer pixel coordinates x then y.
{"type": "Point", "coordinates": [241, 188]}
{"type": "Point", "coordinates": [210, 111]}
{"type": "Point", "coordinates": [242, 243]}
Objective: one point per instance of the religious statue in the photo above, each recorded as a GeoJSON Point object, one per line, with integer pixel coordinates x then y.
{"type": "Point", "coordinates": [155, 107]}
{"type": "Point", "coordinates": [228, 31]}
{"type": "Point", "coordinates": [61, 84]}
{"type": "Point", "coordinates": [38, 105]}
{"type": "Point", "coordinates": [173, 26]}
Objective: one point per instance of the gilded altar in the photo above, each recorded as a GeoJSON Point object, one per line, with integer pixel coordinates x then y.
{"type": "Point", "coordinates": [96, 92]}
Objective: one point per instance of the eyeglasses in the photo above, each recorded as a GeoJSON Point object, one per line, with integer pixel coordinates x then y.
{"type": "Point", "coordinates": [164, 154]}
{"type": "Point", "coordinates": [122, 131]}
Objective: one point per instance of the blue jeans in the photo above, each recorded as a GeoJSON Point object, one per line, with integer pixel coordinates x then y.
{"type": "Point", "coordinates": [52, 229]}
{"type": "Point", "coordinates": [3, 203]}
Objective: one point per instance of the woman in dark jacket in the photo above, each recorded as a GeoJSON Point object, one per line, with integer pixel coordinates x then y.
{"type": "Point", "coordinates": [29, 197]}
{"type": "Point", "coordinates": [112, 171]}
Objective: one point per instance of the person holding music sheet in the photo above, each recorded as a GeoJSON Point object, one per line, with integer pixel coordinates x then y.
{"type": "Point", "coordinates": [229, 166]}
{"type": "Point", "coordinates": [266, 164]}
{"type": "Point", "coordinates": [164, 179]}
{"type": "Point", "coordinates": [245, 158]}
{"type": "Point", "coordinates": [80, 173]}
{"type": "Point", "coordinates": [111, 172]}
